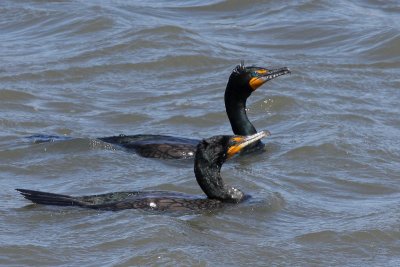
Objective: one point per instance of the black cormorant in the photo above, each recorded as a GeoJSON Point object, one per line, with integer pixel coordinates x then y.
{"type": "Point", "coordinates": [242, 82]}
{"type": "Point", "coordinates": [211, 153]}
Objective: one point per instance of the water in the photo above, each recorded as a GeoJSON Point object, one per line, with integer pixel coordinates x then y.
{"type": "Point", "coordinates": [328, 186]}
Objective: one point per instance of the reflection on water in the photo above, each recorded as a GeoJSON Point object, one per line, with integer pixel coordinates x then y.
{"type": "Point", "coordinates": [327, 187]}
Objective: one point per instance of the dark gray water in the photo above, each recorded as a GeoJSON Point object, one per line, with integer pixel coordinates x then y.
{"type": "Point", "coordinates": [328, 187]}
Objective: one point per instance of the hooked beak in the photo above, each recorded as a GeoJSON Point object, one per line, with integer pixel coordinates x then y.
{"type": "Point", "coordinates": [240, 142]}
{"type": "Point", "coordinates": [265, 75]}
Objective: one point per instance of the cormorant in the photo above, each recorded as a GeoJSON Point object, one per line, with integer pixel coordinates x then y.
{"type": "Point", "coordinates": [242, 82]}
{"type": "Point", "coordinates": [211, 153]}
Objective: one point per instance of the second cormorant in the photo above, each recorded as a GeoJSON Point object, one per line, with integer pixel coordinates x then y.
{"type": "Point", "coordinates": [211, 153]}
{"type": "Point", "coordinates": [242, 82]}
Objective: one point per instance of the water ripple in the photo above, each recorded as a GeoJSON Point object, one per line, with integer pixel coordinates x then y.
{"type": "Point", "coordinates": [325, 191]}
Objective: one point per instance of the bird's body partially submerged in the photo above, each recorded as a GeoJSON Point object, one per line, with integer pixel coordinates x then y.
{"type": "Point", "coordinates": [210, 155]}
{"type": "Point", "coordinates": [154, 200]}
{"type": "Point", "coordinates": [156, 146]}
{"type": "Point", "coordinates": [242, 82]}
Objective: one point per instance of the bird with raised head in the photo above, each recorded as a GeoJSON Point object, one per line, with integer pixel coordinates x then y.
{"type": "Point", "coordinates": [242, 82]}
{"type": "Point", "coordinates": [210, 155]}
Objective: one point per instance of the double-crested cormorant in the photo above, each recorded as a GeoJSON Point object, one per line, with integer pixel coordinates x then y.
{"type": "Point", "coordinates": [211, 153]}
{"type": "Point", "coordinates": [242, 82]}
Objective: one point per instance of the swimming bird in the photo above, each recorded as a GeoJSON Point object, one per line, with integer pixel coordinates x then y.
{"type": "Point", "coordinates": [242, 82]}
{"type": "Point", "coordinates": [211, 154]}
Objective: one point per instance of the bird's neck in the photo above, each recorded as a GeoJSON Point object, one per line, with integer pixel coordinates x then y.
{"type": "Point", "coordinates": [235, 106]}
{"type": "Point", "coordinates": [208, 176]}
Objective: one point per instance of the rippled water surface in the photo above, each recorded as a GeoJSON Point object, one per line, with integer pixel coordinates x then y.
{"type": "Point", "coordinates": [327, 188]}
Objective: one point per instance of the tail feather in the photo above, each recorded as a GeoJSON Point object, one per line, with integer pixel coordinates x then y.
{"type": "Point", "coordinates": [49, 198]}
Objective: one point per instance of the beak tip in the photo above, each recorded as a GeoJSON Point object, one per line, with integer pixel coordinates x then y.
{"type": "Point", "coordinates": [267, 133]}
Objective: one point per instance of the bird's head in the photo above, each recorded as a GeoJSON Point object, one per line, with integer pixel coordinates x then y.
{"type": "Point", "coordinates": [217, 149]}
{"type": "Point", "coordinates": [246, 79]}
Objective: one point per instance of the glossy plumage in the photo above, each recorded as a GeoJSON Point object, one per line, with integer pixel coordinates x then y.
{"type": "Point", "coordinates": [211, 154]}
{"type": "Point", "coordinates": [242, 82]}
